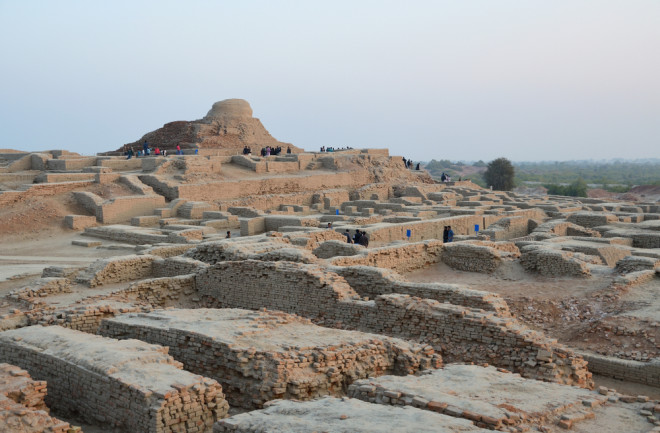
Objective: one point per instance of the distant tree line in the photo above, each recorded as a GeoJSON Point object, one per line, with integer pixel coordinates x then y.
{"type": "Point", "coordinates": [575, 189]}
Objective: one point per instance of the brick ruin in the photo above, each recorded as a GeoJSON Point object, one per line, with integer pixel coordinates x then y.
{"type": "Point", "coordinates": [184, 322]}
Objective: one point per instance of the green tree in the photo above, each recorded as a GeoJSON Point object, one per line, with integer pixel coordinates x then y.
{"type": "Point", "coordinates": [499, 174]}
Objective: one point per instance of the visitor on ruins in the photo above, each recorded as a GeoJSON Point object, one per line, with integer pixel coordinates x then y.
{"type": "Point", "coordinates": [405, 162]}
{"type": "Point", "coordinates": [145, 146]}
{"type": "Point", "coordinates": [130, 153]}
{"type": "Point", "coordinates": [329, 225]}
{"type": "Point", "coordinates": [157, 151]}
{"type": "Point", "coordinates": [417, 168]}
{"type": "Point", "coordinates": [228, 235]}
{"type": "Point", "coordinates": [450, 234]}
{"type": "Point", "coordinates": [357, 236]}
{"type": "Point", "coordinates": [443, 178]}
{"type": "Point", "coordinates": [164, 152]}
{"type": "Point", "coordinates": [288, 149]}
{"type": "Point", "coordinates": [445, 234]}
{"type": "Point", "coordinates": [364, 239]}
{"type": "Point", "coordinates": [347, 233]}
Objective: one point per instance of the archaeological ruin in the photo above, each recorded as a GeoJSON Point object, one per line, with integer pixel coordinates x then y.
{"type": "Point", "coordinates": [217, 291]}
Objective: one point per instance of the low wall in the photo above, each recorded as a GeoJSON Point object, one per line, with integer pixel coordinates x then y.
{"type": "Point", "coordinates": [117, 269]}
{"type": "Point", "coordinates": [554, 263]}
{"type": "Point", "coordinates": [130, 385]}
{"type": "Point", "coordinates": [478, 256]}
{"type": "Point", "coordinates": [262, 356]}
{"type": "Point", "coordinates": [647, 373]}
{"type": "Point", "coordinates": [122, 209]}
{"type": "Point", "coordinates": [400, 257]}
{"type": "Point", "coordinates": [464, 335]}
{"type": "Point", "coordinates": [426, 229]}
{"type": "Point", "coordinates": [373, 282]}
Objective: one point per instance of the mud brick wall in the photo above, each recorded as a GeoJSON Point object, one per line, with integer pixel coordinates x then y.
{"type": "Point", "coordinates": [245, 188]}
{"type": "Point", "coordinates": [22, 406]}
{"type": "Point", "coordinates": [121, 163]}
{"type": "Point", "coordinates": [117, 269]}
{"type": "Point", "coordinates": [42, 287]}
{"type": "Point", "coordinates": [549, 262]}
{"type": "Point", "coordinates": [478, 256]}
{"type": "Point", "coordinates": [135, 184]}
{"type": "Point", "coordinates": [63, 177]}
{"type": "Point", "coordinates": [564, 228]}
{"type": "Point", "coordinates": [301, 289]}
{"type": "Point", "coordinates": [401, 257]}
{"type": "Point", "coordinates": [236, 249]}
{"type": "Point", "coordinates": [647, 373]}
{"type": "Point", "coordinates": [79, 222]}
{"type": "Point", "coordinates": [121, 209]}
{"type": "Point", "coordinates": [335, 248]}
{"type": "Point", "coordinates": [592, 219]}
{"type": "Point", "coordinates": [162, 186]}
{"type": "Point", "coordinates": [426, 229]}
{"type": "Point", "coordinates": [86, 318]}
{"type": "Point", "coordinates": [118, 233]}
{"type": "Point", "coordinates": [273, 223]}
{"type": "Point", "coordinates": [636, 263]}
{"type": "Point", "coordinates": [633, 279]}
{"type": "Point", "coordinates": [507, 228]}
{"type": "Point", "coordinates": [173, 266]}
{"type": "Point", "coordinates": [103, 380]}
{"type": "Point", "coordinates": [251, 375]}
{"type": "Point", "coordinates": [466, 335]}
{"type": "Point", "coordinates": [160, 292]}
{"type": "Point", "coordinates": [166, 251]}
{"type": "Point", "coordinates": [70, 164]}
{"type": "Point", "coordinates": [373, 282]}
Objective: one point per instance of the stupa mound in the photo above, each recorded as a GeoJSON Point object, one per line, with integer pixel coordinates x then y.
{"type": "Point", "coordinates": [228, 127]}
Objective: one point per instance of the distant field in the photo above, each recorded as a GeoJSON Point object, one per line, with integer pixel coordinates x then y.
{"type": "Point", "coordinates": [617, 176]}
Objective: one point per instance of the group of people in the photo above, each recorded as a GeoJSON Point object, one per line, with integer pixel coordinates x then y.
{"type": "Point", "coordinates": [360, 238]}
{"type": "Point", "coordinates": [445, 177]}
{"type": "Point", "coordinates": [332, 149]}
{"type": "Point", "coordinates": [148, 150]}
{"type": "Point", "coordinates": [447, 234]}
{"type": "Point", "coordinates": [267, 151]}
{"type": "Point", "coordinates": [408, 163]}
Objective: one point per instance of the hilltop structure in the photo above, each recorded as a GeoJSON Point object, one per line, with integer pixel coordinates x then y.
{"type": "Point", "coordinates": [227, 127]}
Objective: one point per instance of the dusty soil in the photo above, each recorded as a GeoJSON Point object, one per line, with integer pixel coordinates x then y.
{"type": "Point", "coordinates": [35, 218]}
{"type": "Point", "coordinates": [584, 313]}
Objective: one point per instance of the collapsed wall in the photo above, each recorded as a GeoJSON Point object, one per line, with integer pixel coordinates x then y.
{"type": "Point", "coordinates": [478, 256]}
{"type": "Point", "coordinates": [550, 262]}
{"type": "Point", "coordinates": [372, 282]}
{"type": "Point", "coordinates": [261, 356]}
{"type": "Point", "coordinates": [403, 257]}
{"type": "Point", "coordinates": [463, 334]}
{"type": "Point", "coordinates": [22, 405]}
{"type": "Point", "coordinates": [129, 385]}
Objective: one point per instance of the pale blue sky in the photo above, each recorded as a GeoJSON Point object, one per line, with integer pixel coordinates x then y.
{"type": "Point", "coordinates": [468, 79]}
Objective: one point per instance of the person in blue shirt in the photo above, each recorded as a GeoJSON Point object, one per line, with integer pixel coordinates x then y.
{"type": "Point", "coordinates": [450, 235]}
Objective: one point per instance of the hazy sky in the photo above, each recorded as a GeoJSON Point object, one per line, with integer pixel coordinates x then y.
{"type": "Point", "coordinates": [459, 79]}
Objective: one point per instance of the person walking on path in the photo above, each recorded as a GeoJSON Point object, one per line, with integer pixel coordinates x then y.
{"type": "Point", "coordinates": [450, 234]}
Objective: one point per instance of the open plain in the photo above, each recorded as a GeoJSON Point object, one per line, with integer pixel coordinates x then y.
{"type": "Point", "coordinates": [216, 291]}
